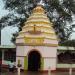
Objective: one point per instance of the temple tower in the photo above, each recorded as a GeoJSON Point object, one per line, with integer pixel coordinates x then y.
{"type": "Point", "coordinates": [37, 42]}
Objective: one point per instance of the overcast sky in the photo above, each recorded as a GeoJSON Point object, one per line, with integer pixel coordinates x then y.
{"type": "Point", "coordinates": [2, 11]}
{"type": "Point", "coordinates": [6, 35]}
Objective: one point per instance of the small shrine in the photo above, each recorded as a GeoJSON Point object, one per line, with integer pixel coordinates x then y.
{"type": "Point", "coordinates": [36, 45]}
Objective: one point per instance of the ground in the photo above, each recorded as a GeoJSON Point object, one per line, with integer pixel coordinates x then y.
{"type": "Point", "coordinates": [6, 72]}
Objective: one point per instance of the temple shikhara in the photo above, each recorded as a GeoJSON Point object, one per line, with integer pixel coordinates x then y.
{"type": "Point", "coordinates": [36, 45]}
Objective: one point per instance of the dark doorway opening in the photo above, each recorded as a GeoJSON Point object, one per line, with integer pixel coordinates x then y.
{"type": "Point", "coordinates": [34, 61]}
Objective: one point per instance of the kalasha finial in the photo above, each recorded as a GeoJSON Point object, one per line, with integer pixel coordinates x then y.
{"type": "Point", "coordinates": [41, 3]}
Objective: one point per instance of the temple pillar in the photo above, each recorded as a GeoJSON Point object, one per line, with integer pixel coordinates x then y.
{"type": "Point", "coordinates": [2, 56]}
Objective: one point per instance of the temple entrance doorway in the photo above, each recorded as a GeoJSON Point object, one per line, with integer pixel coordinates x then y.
{"type": "Point", "coordinates": [34, 61]}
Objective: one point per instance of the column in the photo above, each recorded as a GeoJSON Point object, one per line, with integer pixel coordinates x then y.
{"type": "Point", "coordinates": [2, 55]}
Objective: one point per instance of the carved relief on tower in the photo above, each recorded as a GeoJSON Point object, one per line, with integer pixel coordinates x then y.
{"type": "Point", "coordinates": [34, 40]}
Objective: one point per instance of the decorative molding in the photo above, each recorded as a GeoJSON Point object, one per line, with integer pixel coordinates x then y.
{"type": "Point", "coordinates": [35, 44]}
{"type": "Point", "coordinates": [34, 40]}
{"type": "Point", "coordinates": [37, 18]}
{"type": "Point", "coordinates": [22, 32]}
{"type": "Point", "coordinates": [42, 22]}
{"type": "Point", "coordinates": [37, 37]}
{"type": "Point", "coordinates": [38, 27]}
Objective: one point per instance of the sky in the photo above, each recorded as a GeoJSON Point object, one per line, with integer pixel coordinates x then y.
{"type": "Point", "coordinates": [6, 35]}
{"type": "Point", "coordinates": [2, 11]}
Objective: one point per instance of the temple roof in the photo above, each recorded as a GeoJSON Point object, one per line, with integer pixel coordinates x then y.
{"type": "Point", "coordinates": [38, 9]}
{"type": "Point", "coordinates": [37, 25]}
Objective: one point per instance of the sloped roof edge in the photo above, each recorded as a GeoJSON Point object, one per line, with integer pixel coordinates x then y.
{"type": "Point", "coordinates": [7, 46]}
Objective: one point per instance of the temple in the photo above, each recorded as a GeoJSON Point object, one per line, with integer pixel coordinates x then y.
{"type": "Point", "coordinates": [36, 45]}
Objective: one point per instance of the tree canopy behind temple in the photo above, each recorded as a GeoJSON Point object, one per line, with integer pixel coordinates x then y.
{"type": "Point", "coordinates": [59, 12]}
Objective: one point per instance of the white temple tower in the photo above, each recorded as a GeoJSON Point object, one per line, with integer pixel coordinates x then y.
{"type": "Point", "coordinates": [37, 42]}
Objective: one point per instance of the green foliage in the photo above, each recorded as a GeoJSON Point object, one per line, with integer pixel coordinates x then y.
{"type": "Point", "coordinates": [23, 8]}
{"type": "Point", "coordinates": [68, 43]}
{"type": "Point", "coordinates": [13, 39]}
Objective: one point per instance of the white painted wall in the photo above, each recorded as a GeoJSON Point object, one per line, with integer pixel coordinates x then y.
{"type": "Point", "coordinates": [49, 53]}
{"type": "Point", "coordinates": [44, 50]}
{"type": "Point", "coordinates": [51, 41]}
{"type": "Point", "coordinates": [50, 62]}
{"type": "Point", "coordinates": [20, 51]}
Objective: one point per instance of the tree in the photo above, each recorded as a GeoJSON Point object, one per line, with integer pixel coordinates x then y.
{"type": "Point", "coordinates": [59, 12]}
{"type": "Point", "coordinates": [14, 37]}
